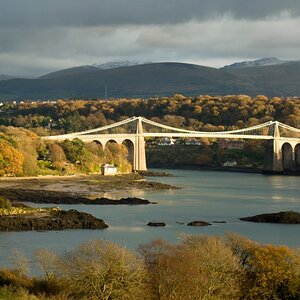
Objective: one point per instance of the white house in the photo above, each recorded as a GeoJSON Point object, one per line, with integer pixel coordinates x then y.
{"type": "Point", "coordinates": [108, 170]}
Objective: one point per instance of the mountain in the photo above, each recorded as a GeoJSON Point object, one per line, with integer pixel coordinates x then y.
{"type": "Point", "coordinates": [268, 61]}
{"type": "Point", "coordinates": [81, 70]}
{"type": "Point", "coordinates": [118, 64]}
{"type": "Point", "coordinates": [157, 79]}
{"type": "Point", "coordinates": [274, 80]}
{"type": "Point", "coordinates": [6, 77]}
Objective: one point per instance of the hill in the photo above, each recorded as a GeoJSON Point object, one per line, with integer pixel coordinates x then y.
{"type": "Point", "coordinates": [268, 61]}
{"type": "Point", "coordinates": [274, 80]}
{"type": "Point", "coordinates": [161, 79]}
{"type": "Point", "coordinates": [6, 77]}
{"type": "Point", "coordinates": [118, 64]}
{"type": "Point", "coordinates": [81, 70]}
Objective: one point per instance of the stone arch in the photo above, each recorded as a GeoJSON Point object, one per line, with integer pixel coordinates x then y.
{"type": "Point", "coordinates": [130, 147]}
{"type": "Point", "coordinates": [297, 156]}
{"type": "Point", "coordinates": [111, 141]}
{"type": "Point", "coordinates": [96, 147]}
{"type": "Point", "coordinates": [111, 146]}
{"type": "Point", "coordinates": [288, 162]}
{"type": "Point", "coordinates": [98, 143]}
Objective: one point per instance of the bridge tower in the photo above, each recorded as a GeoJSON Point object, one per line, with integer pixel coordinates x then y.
{"type": "Point", "coordinates": [273, 154]}
{"type": "Point", "coordinates": [139, 161]}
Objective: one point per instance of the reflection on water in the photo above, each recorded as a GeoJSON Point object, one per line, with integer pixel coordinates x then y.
{"type": "Point", "coordinates": [127, 228]}
{"type": "Point", "coordinates": [119, 194]}
{"type": "Point", "coordinates": [205, 195]}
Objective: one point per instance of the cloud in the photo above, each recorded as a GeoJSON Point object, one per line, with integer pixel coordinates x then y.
{"type": "Point", "coordinates": [137, 12]}
{"type": "Point", "coordinates": [210, 43]}
{"type": "Point", "coordinates": [37, 36]}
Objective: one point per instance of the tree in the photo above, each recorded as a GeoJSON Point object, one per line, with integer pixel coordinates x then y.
{"type": "Point", "coordinates": [74, 150]}
{"type": "Point", "coordinates": [57, 156]}
{"type": "Point", "coordinates": [271, 272]}
{"type": "Point", "coordinates": [11, 160]}
{"type": "Point", "coordinates": [198, 268]}
{"type": "Point", "coordinates": [103, 270]}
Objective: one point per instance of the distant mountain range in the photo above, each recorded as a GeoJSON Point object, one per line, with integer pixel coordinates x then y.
{"type": "Point", "coordinates": [268, 61]}
{"type": "Point", "coordinates": [268, 76]}
{"type": "Point", "coordinates": [119, 64]}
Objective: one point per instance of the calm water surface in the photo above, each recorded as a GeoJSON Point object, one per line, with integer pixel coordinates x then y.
{"type": "Point", "coordinates": [205, 195]}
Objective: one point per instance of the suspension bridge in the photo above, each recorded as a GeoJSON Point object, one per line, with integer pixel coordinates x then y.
{"type": "Point", "coordinates": [282, 141]}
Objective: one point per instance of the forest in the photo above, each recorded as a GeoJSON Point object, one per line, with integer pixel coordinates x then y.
{"type": "Point", "coordinates": [205, 113]}
{"type": "Point", "coordinates": [22, 124]}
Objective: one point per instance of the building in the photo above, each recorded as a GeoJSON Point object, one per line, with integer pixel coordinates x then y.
{"type": "Point", "coordinates": [108, 170]}
{"type": "Point", "coordinates": [192, 142]}
{"type": "Point", "coordinates": [231, 145]}
{"type": "Point", "coordinates": [229, 164]}
{"type": "Point", "coordinates": [166, 141]}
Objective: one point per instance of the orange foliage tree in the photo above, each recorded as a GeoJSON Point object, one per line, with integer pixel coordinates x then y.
{"type": "Point", "coordinates": [11, 160]}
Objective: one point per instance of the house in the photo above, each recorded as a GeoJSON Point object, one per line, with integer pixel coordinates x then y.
{"type": "Point", "coordinates": [166, 141]}
{"type": "Point", "coordinates": [192, 142]}
{"type": "Point", "coordinates": [229, 164]}
{"type": "Point", "coordinates": [231, 145]}
{"type": "Point", "coordinates": [108, 170]}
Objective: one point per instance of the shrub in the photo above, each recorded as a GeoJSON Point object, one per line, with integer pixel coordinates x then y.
{"type": "Point", "coordinates": [11, 293]}
{"type": "Point", "coordinates": [14, 279]}
{"type": "Point", "coordinates": [271, 272]}
{"type": "Point", "coordinates": [103, 270]}
{"type": "Point", "coordinates": [198, 268]}
{"type": "Point", "coordinates": [5, 203]}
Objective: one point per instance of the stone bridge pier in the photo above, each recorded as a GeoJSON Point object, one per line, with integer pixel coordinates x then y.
{"type": "Point", "coordinates": [282, 154]}
{"type": "Point", "coordinates": [134, 143]}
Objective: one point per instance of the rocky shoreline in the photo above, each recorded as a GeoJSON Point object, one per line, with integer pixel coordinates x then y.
{"type": "Point", "coordinates": [51, 197]}
{"type": "Point", "coordinates": [79, 189]}
{"type": "Point", "coordinates": [54, 220]}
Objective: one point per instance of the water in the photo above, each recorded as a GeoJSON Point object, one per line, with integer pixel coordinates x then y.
{"type": "Point", "coordinates": [205, 195]}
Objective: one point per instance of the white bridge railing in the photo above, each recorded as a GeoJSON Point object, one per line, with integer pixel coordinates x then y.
{"type": "Point", "coordinates": [253, 132]}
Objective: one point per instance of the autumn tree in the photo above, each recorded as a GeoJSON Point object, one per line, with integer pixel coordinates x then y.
{"type": "Point", "coordinates": [271, 272]}
{"type": "Point", "coordinates": [57, 156]}
{"type": "Point", "coordinates": [103, 270]}
{"type": "Point", "coordinates": [11, 160]}
{"type": "Point", "coordinates": [198, 268]}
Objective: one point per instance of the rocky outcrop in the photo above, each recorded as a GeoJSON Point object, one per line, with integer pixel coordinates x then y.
{"type": "Point", "coordinates": [54, 220]}
{"type": "Point", "coordinates": [198, 223]}
{"type": "Point", "coordinates": [156, 224]}
{"type": "Point", "coordinates": [283, 217]}
{"type": "Point", "coordinates": [51, 197]}
{"type": "Point", "coordinates": [124, 201]}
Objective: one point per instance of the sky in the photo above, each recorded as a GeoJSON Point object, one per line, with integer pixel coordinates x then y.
{"type": "Point", "coordinates": [39, 36]}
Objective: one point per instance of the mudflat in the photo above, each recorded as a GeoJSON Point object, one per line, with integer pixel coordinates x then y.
{"type": "Point", "coordinates": [78, 186]}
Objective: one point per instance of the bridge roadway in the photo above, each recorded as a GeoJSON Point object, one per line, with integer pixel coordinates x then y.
{"type": "Point", "coordinates": [125, 136]}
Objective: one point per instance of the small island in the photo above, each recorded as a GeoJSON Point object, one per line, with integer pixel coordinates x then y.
{"type": "Point", "coordinates": [283, 217]}
{"type": "Point", "coordinates": [19, 217]}
{"type": "Point", "coordinates": [198, 223]}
